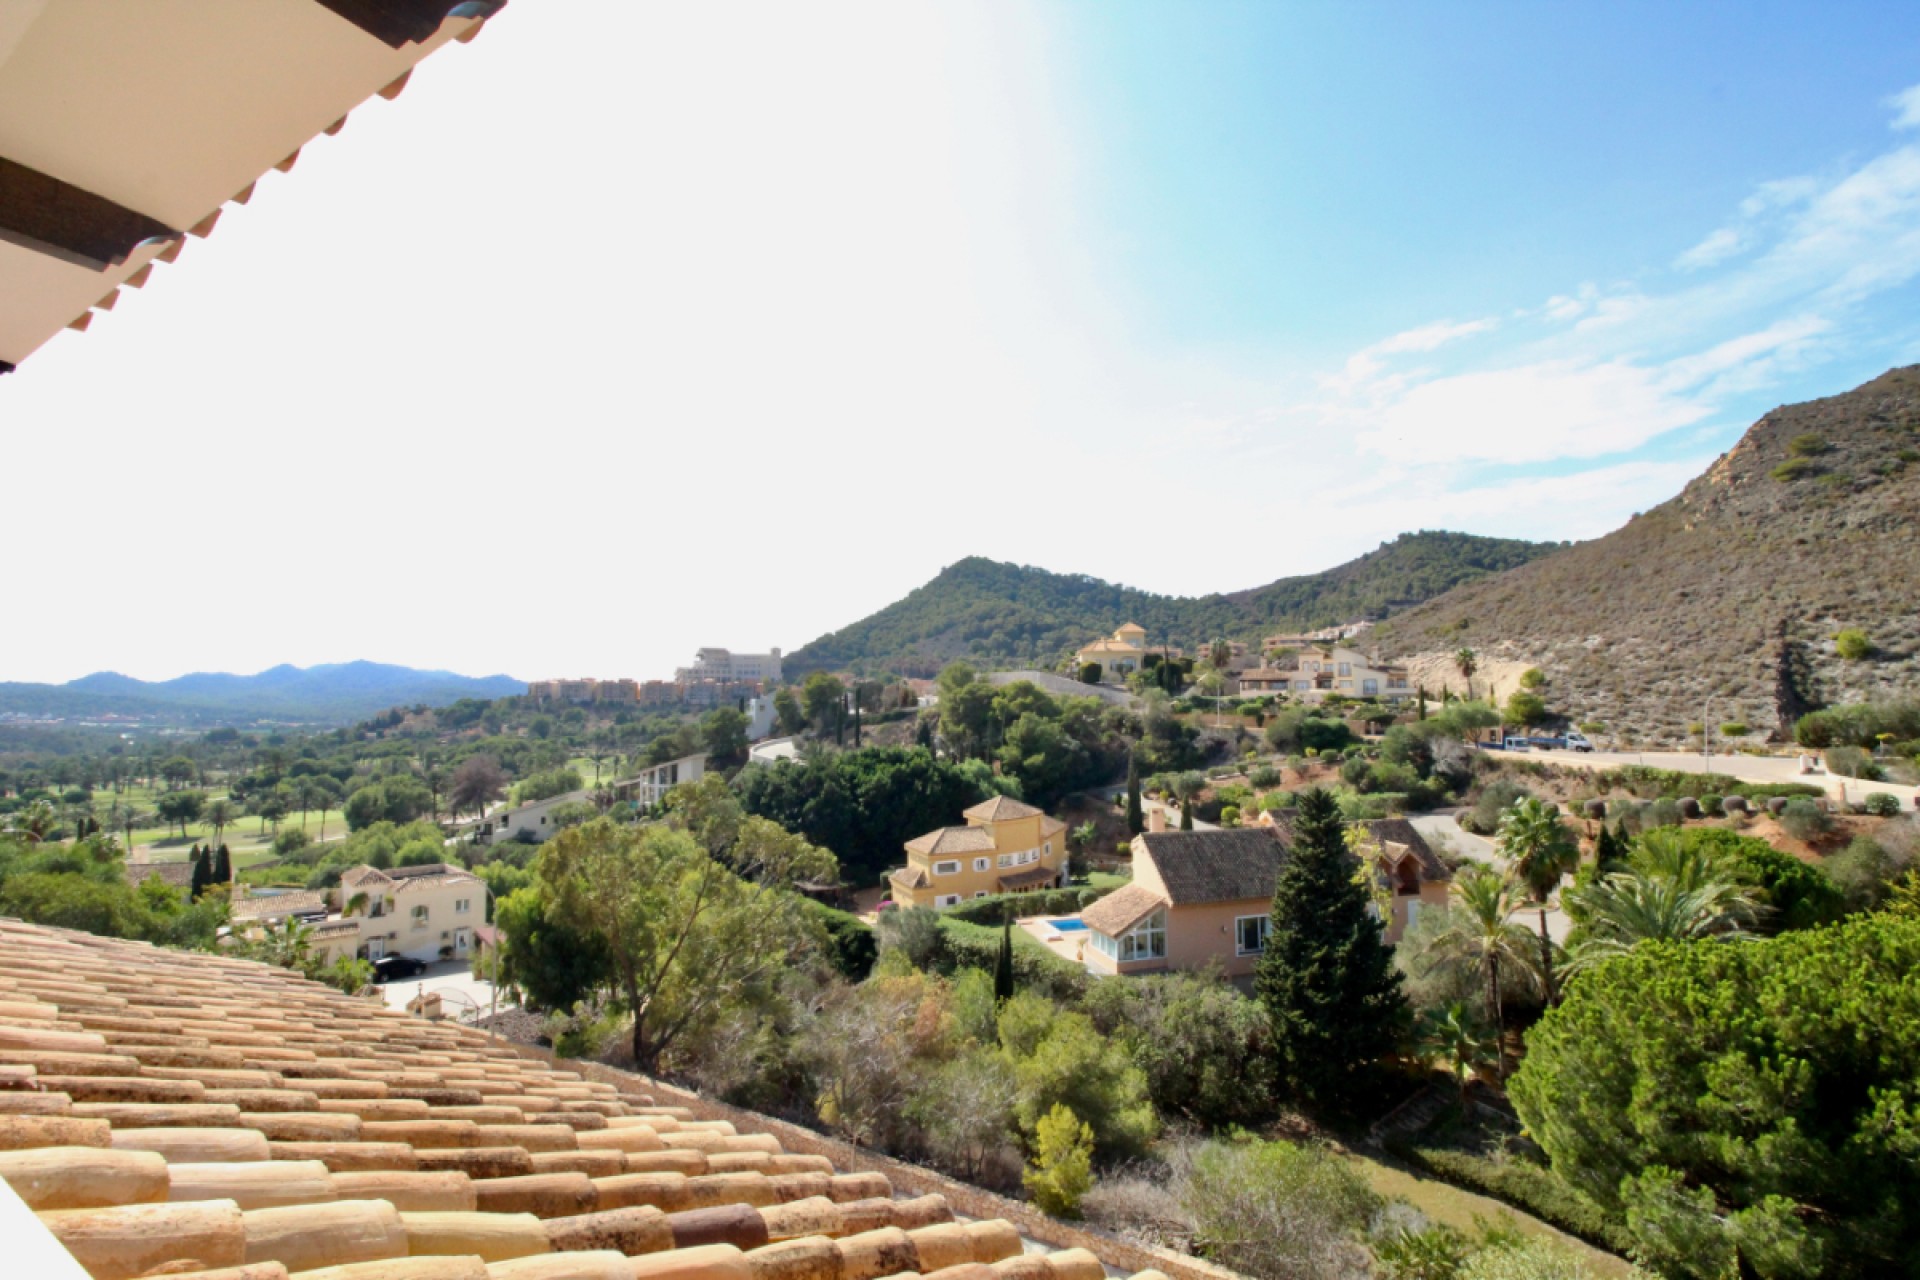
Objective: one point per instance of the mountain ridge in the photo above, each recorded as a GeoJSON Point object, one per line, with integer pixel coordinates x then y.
{"type": "Point", "coordinates": [326, 693]}
{"type": "Point", "coordinates": [1721, 605]}
{"type": "Point", "coordinates": [998, 613]}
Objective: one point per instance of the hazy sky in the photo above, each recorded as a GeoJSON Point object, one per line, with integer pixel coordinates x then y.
{"type": "Point", "coordinates": [631, 328]}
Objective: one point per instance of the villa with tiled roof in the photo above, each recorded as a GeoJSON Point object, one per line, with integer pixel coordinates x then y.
{"type": "Point", "coordinates": [207, 1118]}
{"type": "Point", "coordinates": [1005, 847]}
{"type": "Point", "coordinates": [425, 912]}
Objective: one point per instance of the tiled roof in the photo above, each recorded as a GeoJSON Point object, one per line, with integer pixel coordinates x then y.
{"type": "Point", "coordinates": [1000, 809]}
{"type": "Point", "coordinates": [1227, 865]}
{"type": "Point", "coordinates": [170, 1112]}
{"type": "Point", "coordinates": [910, 877]}
{"type": "Point", "coordinates": [953, 840]}
{"type": "Point", "coordinates": [1018, 880]}
{"type": "Point", "coordinates": [436, 881]}
{"type": "Point", "coordinates": [1122, 909]}
{"type": "Point", "coordinates": [353, 877]}
{"type": "Point", "coordinates": [1051, 826]}
{"type": "Point", "coordinates": [279, 904]}
{"type": "Point", "coordinates": [1388, 831]}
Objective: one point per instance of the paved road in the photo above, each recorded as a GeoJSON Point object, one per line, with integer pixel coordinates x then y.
{"type": "Point", "coordinates": [1743, 768]}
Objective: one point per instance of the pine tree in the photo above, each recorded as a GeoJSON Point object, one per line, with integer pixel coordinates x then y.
{"type": "Point", "coordinates": [222, 866]}
{"type": "Point", "coordinates": [1136, 821]}
{"type": "Point", "coordinates": [202, 875]}
{"type": "Point", "coordinates": [1003, 965]}
{"type": "Point", "coordinates": [1326, 977]}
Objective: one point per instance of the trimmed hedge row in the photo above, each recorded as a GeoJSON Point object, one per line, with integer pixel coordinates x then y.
{"type": "Point", "coordinates": [1674, 783]}
{"type": "Point", "coordinates": [1527, 1187]}
{"type": "Point", "coordinates": [1035, 968]}
{"type": "Point", "coordinates": [1046, 902]}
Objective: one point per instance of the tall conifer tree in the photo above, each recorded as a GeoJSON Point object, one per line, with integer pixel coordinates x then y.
{"type": "Point", "coordinates": [1326, 977]}
{"type": "Point", "coordinates": [1136, 821]}
{"type": "Point", "coordinates": [222, 866]}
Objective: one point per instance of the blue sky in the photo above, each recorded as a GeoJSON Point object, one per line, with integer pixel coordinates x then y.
{"type": "Point", "coordinates": [735, 323]}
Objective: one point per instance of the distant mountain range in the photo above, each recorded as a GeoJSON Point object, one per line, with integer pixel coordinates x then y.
{"type": "Point", "coordinates": [1004, 614]}
{"type": "Point", "coordinates": [1722, 604]}
{"type": "Point", "coordinates": [336, 693]}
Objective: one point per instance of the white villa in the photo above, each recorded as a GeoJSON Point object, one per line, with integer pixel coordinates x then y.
{"type": "Point", "coordinates": [426, 912]}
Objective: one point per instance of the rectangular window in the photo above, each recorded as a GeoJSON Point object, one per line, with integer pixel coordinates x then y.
{"type": "Point", "coordinates": [1302, 685]}
{"type": "Point", "coordinates": [1413, 911]}
{"type": "Point", "coordinates": [462, 905]}
{"type": "Point", "coordinates": [1105, 946]}
{"type": "Point", "coordinates": [1049, 849]}
{"type": "Point", "coordinates": [1006, 860]}
{"type": "Point", "coordinates": [1369, 686]}
{"type": "Point", "coordinates": [947, 900]}
{"type": "Point", "coordinates": [946, 868]}
{"type": "Point", "coordinates": [1250, 934]}
{"type": "Point", "coordinates": [981, 893]}
{"type": "Point", "coordinates": [983, 864]}
{"type": "Point", "coordinates": [420, 917]}
{"type": "Point", "coordinates": [1346, 668]}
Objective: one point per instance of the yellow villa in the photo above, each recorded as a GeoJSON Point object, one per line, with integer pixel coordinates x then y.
{"type": "Point", "coordinates": [1118, 655]}
{"type": "Point", "coordinates": [1006, 847]}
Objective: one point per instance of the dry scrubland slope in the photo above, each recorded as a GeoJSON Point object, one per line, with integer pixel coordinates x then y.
{"type": "Point", "coordinates": [1722, 604]}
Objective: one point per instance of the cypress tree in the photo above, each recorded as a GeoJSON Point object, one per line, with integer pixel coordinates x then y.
{"type": "Point", "coordinates": [1003, 964]}
{"type": "Point", "coordinates": [202, 874]}
{"type": "Point", "coordinates": [1136, 821]}
{"type": "Point", "coordinates": [1326, 977]}
{"type": "Point", "coordinates": [1186, 813]}
{"type": "Point", "coordinates": [222, 866]}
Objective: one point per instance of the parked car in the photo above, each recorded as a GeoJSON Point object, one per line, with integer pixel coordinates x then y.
{"type": "Point", "coordinates": [393, 968]}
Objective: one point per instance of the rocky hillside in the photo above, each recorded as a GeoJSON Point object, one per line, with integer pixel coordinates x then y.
{"type": "Point", "coordinates": [1724, 603]}
{"type": "Point", "coordinates": [1004, 614]}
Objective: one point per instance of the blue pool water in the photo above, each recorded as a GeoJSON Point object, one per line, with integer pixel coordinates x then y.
{"type": "Point", "coordinates": [1068, 926]}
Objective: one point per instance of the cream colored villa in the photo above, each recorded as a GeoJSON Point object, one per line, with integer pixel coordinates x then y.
{"type": "Point", "coordinates": [1006, 847]}
{"type": "Point", "coordinates": [422, 912]}
{"type": "Point", "coordinates": [1121, 654]}
{"type": "Point", "coordinates": [1321, 673]}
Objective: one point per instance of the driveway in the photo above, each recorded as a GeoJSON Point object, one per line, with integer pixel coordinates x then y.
{"type": "Point", "coordinates": [1742, 768]}
{"type": "Point", "coordinates": [461, 994]}
{"type": "Point", "coordinates": [1444, 828]}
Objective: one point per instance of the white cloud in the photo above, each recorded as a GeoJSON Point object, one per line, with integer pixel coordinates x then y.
{"type": "Point", "coordinates": [1906, 106]}
{"type": "Point", "coordinates": [1529, 414]}
{"type": "Point", "coordinates": [1431, 337]}
{"type": "Point", "coordinates": [1715, 249]}
{"type": "Point", "coordinates": [1748, 357]}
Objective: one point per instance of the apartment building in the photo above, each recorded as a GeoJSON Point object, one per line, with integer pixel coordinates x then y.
{"type": "Point", "coordinates": [725, 667]}
{"type": "Point", "coordinates": [585, 690]}
{"type": "Point", "coordinates": [1005, 847]}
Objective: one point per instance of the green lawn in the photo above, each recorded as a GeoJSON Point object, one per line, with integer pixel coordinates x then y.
{"type": "Point", "coordinates": [1446, 1203]}
{"type": "Point", "coordinates": [1108, 881]}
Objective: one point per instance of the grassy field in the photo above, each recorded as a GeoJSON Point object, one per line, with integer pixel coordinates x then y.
{"type": "Point", "coordinates": [1446, 1203]}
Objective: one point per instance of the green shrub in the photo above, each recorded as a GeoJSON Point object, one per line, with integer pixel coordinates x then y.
{"type": "Point", "coordinates": [1793, 469]}
{"type": "Point", "coordinates": [1664, 812]}
{"type": "Point", "coordinates": [1805, 819]}
{"type": "Point", "coordinates": [1495, 799]}
{"type": "Point", "coordinates": [1062, 1169]}
{"type": "Point", "coordinates": [1230, 815]}
{"type": "Point", "coordinates": [1881, 804]}
{"type": "Point", "coordinates": [1712, 806]}
{"type": "Point", "coordinates": [851, 945]}
{"type": "Point", "coordinates": [1046, 902]}
{"type": "Point", "coordinates": [1264, 777]}
{"type": "Point", "coordinates": [1852, 644]}
{"type": "Point", "coordinates": [1807, 445]}
{"type": "Point", "coordinates": [1798, 895]}
{"type": "Point", "coordinates": [1853, 762]}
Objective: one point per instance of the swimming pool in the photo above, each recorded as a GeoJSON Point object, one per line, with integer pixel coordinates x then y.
{"type": "Point", "coordinates": [1068, 926]}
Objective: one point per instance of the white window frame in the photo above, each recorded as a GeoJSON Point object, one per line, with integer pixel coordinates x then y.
{"type": "Point", "coordinates": [1146, 940]}
{"type": "Point", "coordinates": [420, 915]}
{"type": "Point", "coordinates": [461, 906]}
{"type": "Point", "coordinates": [983, 864]}
{"type": "Point", "coordinates": [949, 868]}
{"type": "Point", "coordinates": [947, 900]}
{"type": "Point", "coordinates": [1240, 947]}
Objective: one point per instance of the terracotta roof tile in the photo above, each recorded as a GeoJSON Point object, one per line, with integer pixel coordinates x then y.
{"type": "Point", "coordinates": [953, 840]}
{"type": "Point", "coordinates": [1122, 909]}
{"type": "Point", "coordinates": [1000, 809]}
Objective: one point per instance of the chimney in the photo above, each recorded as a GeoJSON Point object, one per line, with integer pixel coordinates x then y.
{"type": "Point", "coordinates": [1156, 819]}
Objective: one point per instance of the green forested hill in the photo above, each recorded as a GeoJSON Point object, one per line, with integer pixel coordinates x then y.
{"type": "Point", "coordinates": [1004, 614]}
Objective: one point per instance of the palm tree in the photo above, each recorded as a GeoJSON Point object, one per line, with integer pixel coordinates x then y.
{"type": "Point", "coordinates": [288, 944]}
{"type": "Point", "coordinates": [1480, 926]}
{"type": "Point", "coordinates": [34, 822]}
{"type": "Point", "coordinates": [1455, 1035]}
{"type": "Point", "coordinates": [1464, 659]}
{"type": "Point", "coordinates": [1540, 852]}
{"type": "Point", "coordinates": [219, 815]}
{"type": "Point", "coordinates": [1630, 907]}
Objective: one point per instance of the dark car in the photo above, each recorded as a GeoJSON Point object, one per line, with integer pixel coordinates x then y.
{"type": "Point", "coordinates": [392, 968]}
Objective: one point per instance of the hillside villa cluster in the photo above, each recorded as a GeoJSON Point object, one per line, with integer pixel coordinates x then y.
{"type": "Point", "coordinates": [1308, 668]}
